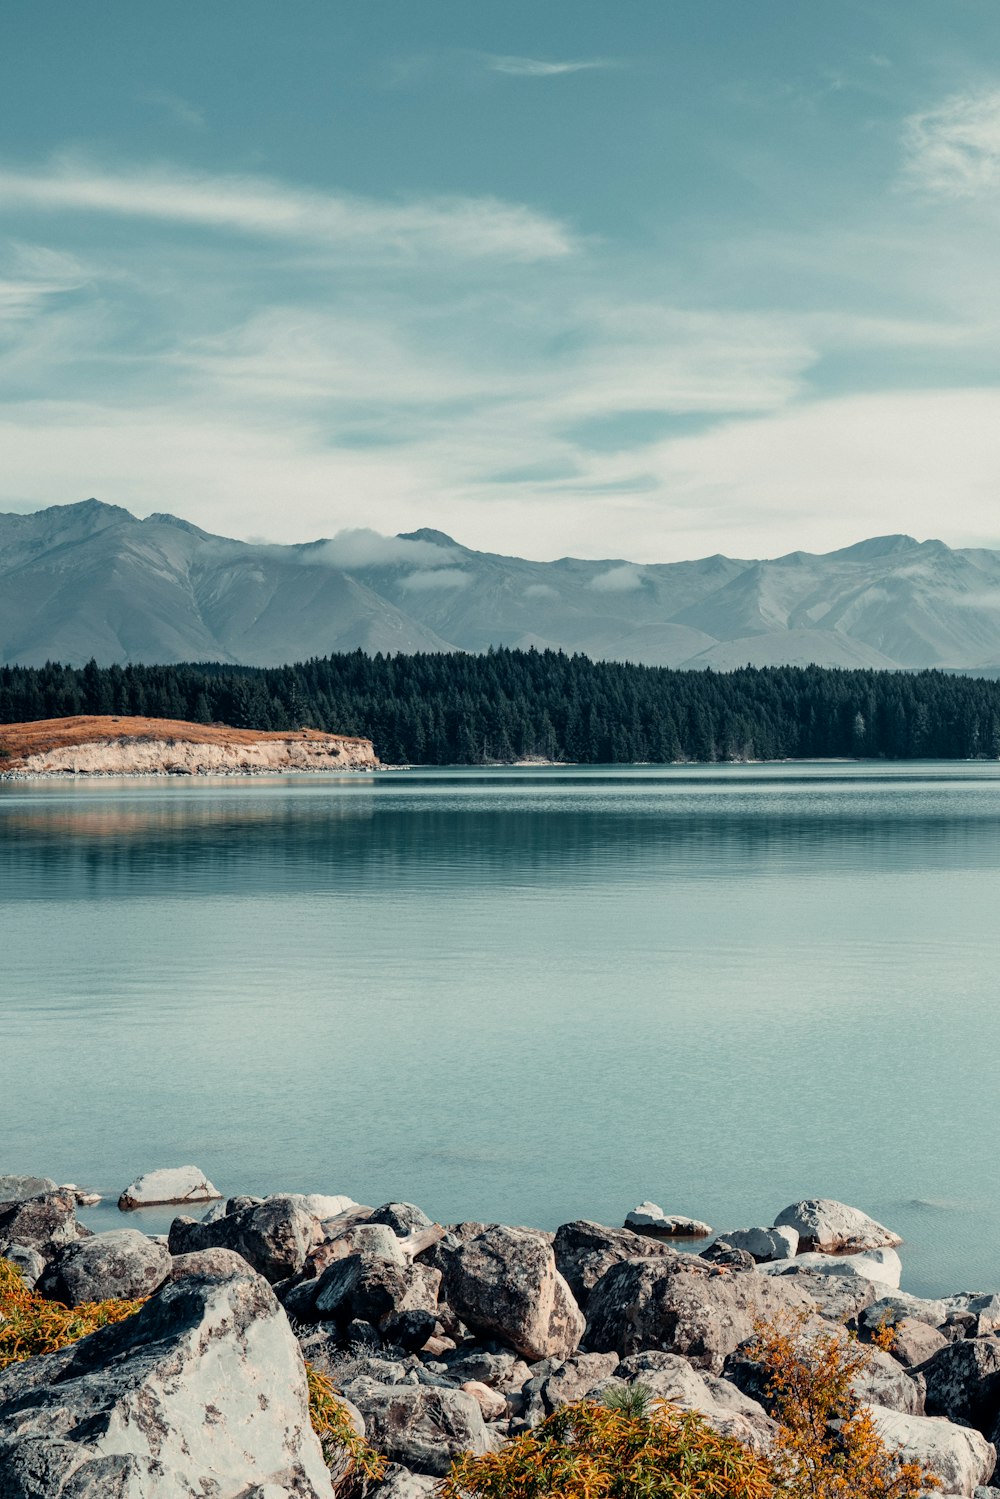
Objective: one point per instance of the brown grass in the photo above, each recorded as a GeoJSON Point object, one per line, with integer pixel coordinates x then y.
{"type": "Point", "coordinates": [19, 740]}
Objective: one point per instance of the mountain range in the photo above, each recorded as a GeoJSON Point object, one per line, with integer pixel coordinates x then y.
{"type": "Point", "coordinates": [93, 580]}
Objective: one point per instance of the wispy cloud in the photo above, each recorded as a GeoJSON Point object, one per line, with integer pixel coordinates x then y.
{"type": "Point", "coordinates": [181, 111]}
{"type": "Point", "coordinates": [460, 228]}
{"type": "Point", "coordinates": [954, 150]}
{"type": "Point", "coordinates": [538, 67]}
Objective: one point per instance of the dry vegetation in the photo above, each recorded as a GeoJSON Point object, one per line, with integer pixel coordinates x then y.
{"type": "Point", "coordinates": [19, 740]}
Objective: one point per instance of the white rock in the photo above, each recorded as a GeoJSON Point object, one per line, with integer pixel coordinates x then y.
{"type": "Point", "coordinates": [172, 1184]}
{"type": "Point", "coordinates": [84, 1197]}
{"type": "Point", "coordinates": [322, 1207]}
{"type": "Point", "coordinates": [648, 1218]}
{"type": "Point", "coordinates": [764, 1244]}
{"type": "Point", "coordinates": [833, 1227]}
{"type": "Point", "coordinates": [959, 1456]}
{"type": "Point", "coordinates": [882, 1266]}
{"type": "Point", "coordinates": [201, 1392]}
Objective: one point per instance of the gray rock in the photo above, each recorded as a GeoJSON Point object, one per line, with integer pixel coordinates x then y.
{"type": "Point", "coordinates": [27, 1260]}
{"type": "Point", "coordinates": [649, 1218]}
{"type": "Point", "coordinates": [45, 1223]}
{"type": "Point", "coordinates": [765, 1244]}
{"type": "Point", "coordinates": [899, 1304]}
{"type": "Point", "coordinates": [576, 1377]}
{"type": "Point", "coordinates": [402, 1217]}
{"type": "Point", "coordinates": [171, 1184]}
{"type": "Point", "coordinates": [977, 1313]}
{"type": "Point", "coordinates": [885, 1382]}
{"type": "Point", "coordinates": [201, 1392]}
{"type": "Point", "coordinates": [400, 1483]}
{"type": "Point", "coordinates": [422, 1428]}
{"type": "Point", "coordinates": [503, 1283]}
{"type": "Point", "coordinates": [494, 1369]}
{"type": "Point", "coordinates": [963, 1382]}
{"type": "Point", "coordinates": [836, 1298]}
{"type": "Point", "coordinates": [220, 1262]}
{"type": "Point", "coordinates": [123, 1265]}
{"type": "Point", "coordinates": [411, 1329]}
{"type": "Point", "coordinates": [18, 1188]}
{"type": "Point", "coordinates": [962, 1459]}
{"type": "Point", "coordinates": [687, 1308]}
{"type": "Point", "coordinates": [721, 1252]}
{"type": "Point", "coordinates": [374, 1289]}
{"type": "Point", "coordinates": [584, 1251]}
{"type": "Point", "coordinates": [834, 1228]}
{"type": "Point", "coordinates": [273, 1236]}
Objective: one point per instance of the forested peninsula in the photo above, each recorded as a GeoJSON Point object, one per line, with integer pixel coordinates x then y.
{"type": "Point", "coordinates": [511, 705]}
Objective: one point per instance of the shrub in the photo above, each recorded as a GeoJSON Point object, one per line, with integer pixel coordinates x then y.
{"type": "Point", "coordinates": [828, 1445]}
{"type": "Point", "coordinates": [586, 1451]}
{"type": "Point", "coordinates": [29, 1324]}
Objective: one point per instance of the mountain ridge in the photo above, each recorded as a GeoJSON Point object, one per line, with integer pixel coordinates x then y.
{"type": "Point", "coordinates": [91, 580]}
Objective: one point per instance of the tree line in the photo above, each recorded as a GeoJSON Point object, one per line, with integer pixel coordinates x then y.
{"type": "Point", "coordinates": [507, 705]}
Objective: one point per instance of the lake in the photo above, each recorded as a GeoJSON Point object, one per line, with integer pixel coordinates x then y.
{"type": "Point", "coordinates": [527, 994]}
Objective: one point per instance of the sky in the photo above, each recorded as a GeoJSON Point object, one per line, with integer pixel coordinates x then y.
{"type": "Point", "coordinates": [649, 280]}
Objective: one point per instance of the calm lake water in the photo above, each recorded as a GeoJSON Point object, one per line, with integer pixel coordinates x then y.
{"type": "Point", "coordinates": [528, 995]}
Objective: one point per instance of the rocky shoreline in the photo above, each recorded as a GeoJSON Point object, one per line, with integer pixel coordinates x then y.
{"type": "Point", "coordinates": [444, 1339]}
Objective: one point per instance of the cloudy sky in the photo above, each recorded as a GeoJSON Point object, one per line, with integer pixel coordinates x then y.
{"type": "Point", "coordinates": [648, 280]}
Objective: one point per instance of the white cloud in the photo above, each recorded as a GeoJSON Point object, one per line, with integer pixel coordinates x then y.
{"type": "Point", "coordinates": [623, 579]}
{"type": "Point", "coordinates": [439, 577]}
{"type": "Point", "coordinates": [456, 228]}
{"type": "Point", "coordinates": [954, 150]}
{"type": "Point", "coordinates": [360, 548]}
{"type": "Point", "coordinates": [541, 591]}
{"type": "Point", "coordinates": [536, 67]}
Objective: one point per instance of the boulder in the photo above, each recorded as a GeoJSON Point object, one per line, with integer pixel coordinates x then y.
{"type": "Point", "coordinates": [203, 1391]}
{"type": "Point", "coordinates": [963, 1382]}
{"type": "Point", "coordinates": [503, 1283]}
{"type": "Point", "coordinates": [84, 1197]}
{"type": "Point", "coordinates": [273, 1236]}
{"type": "Point", "coordinates": [897, 1304]}
{"type": "Point", "coordinates": [883, 1266]}
{"type": "Point", "coordinates": [400, 1483]}
{"type": "Point", "coordinates": [647, 1218]}
{"type": "Point", "coordinates": [764, 1244]}
{"type": "Point", "coordinates": [28, 1261]}
{"type": "Point", "coordinates": [171, 1184]}
{"type": "Point", "coordinates": [402, 1217]}
{"type": "Point", "coordinates": [46, 1223]}
{"type": "Point", "coordinates": [688, 1308]}
{"type": "Point", "coordinates": [371, 1288]}
{"type": "Point", "coordinates": [834, 1228]}
{"type": "Point", "coordinates": [320, 1205]}
{"type": "Point", "coordinates": [122, 1265]}
{"type": "Point", "coordinates": [18, 1188]}
{"type": "Point", "coordinates": [837, 1298]}
{"type": "Point", "coordinates": [494, 1369]}
{"type": "Point", "coordinates": [885, 1382]}
{"type": "Point", "coordinates": [976, 1313]}
{"type": "Point", "coordinates": [576, 1377]}
{"type": "Point", "coordinates": [585, 1250]}
{"type": "Point", "coordinates": [207, 1262]}
{"type": "Point", "coordinates": [721, 1252]}
{"type": "Point", "coordinates": [962, 1459]}
{"type": "Point", "coordinates": [410, 1329]}
{"type": "Point", "coordinates": [492, 1404]}
{"type": "Point", "coordinates": [422, 1428]}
